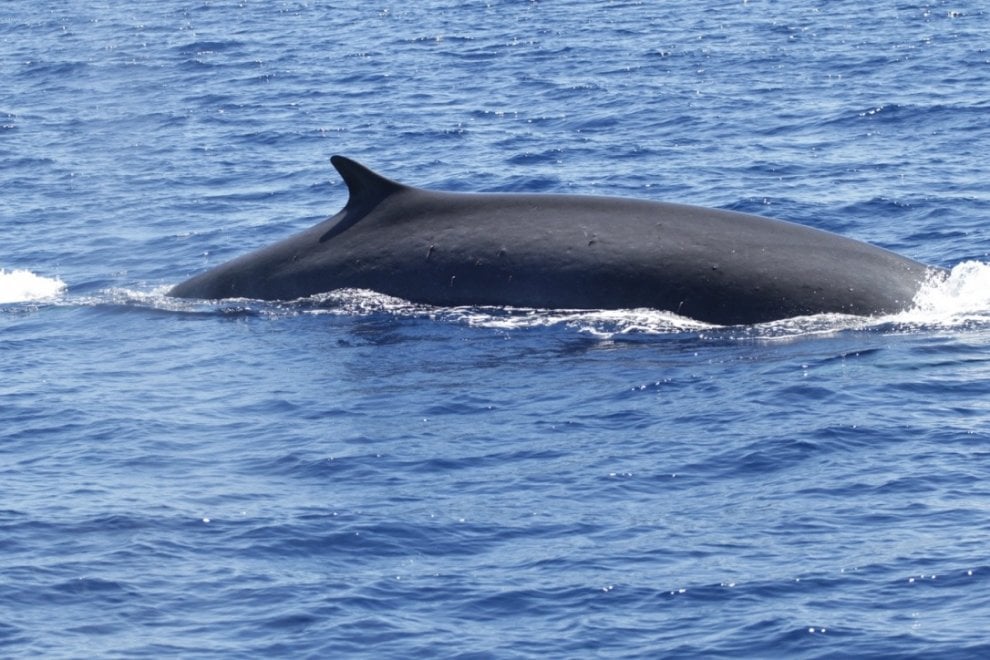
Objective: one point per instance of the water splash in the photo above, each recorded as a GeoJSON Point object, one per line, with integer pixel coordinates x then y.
{"type": "Point", "coordinates": [959, 298]}
{"type": "Point", "coordinates": [24, 286]}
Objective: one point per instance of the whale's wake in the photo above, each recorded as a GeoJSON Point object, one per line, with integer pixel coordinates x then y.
{"type": "Point", "coordinates": [959, 299]}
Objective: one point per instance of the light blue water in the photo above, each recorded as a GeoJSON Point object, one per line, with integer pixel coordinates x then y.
{"type": "Point", "coordinates": [364, 477]}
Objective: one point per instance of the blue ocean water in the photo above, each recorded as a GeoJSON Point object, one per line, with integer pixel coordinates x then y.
{"type": "Point", "coordinates": [357, 476]}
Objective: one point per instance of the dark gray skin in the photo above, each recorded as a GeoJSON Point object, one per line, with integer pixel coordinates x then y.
{"type": "Point", "coordinates": [567, 252]}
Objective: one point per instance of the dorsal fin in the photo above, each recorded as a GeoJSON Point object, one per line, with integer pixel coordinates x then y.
{"type": "Point", "coordinates": [365, 190]}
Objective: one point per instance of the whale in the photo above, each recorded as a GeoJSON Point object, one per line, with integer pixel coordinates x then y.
{"type": "Point", "coordinates": [564, 251]}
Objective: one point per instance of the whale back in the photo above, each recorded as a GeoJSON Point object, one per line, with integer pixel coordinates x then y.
{"type": "Point", "coordinates": [567, 251]}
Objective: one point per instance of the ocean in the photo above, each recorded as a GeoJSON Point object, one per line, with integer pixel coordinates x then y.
{"type": "Point", "coordinates": [358, 476]}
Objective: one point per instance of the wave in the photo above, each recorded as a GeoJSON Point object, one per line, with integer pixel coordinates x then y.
{"type": "Point", "coordinates": [24, 286]}
{"type": "Point", "coordinates": [958, 299]}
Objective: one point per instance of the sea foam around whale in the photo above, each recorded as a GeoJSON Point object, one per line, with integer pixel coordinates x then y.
{"type": "Point", "coordinates": [960, 298]}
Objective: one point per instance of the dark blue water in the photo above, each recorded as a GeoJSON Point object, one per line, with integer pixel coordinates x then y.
{"type": "Point", "coordinates": [357, 476]}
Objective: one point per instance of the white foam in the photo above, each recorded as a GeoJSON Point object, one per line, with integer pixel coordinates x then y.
{"type": "Point", "coordinates": [960, 297]}
{"type": "Point", "coordinates": [604, 323]}
{"type": "Point", "coordinates": [23, 286]}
